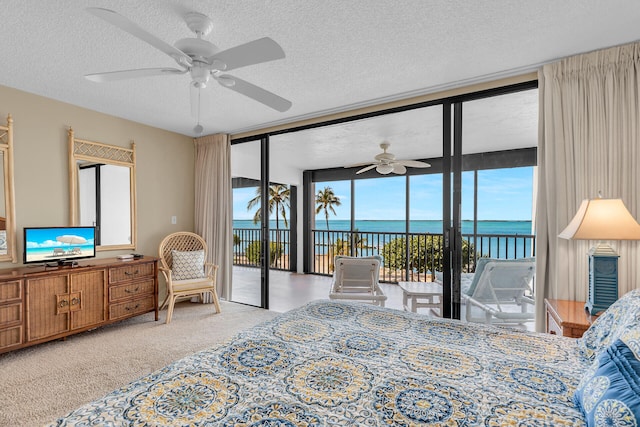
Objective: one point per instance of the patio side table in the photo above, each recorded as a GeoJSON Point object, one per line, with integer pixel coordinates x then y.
{"type": "Point", "coordinates": [423, 295]}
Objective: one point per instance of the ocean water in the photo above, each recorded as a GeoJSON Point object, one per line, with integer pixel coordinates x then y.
{"type": "Point", "coordinates": [512, 246]}
{"type": "Point", "coordinates": [420, 226]}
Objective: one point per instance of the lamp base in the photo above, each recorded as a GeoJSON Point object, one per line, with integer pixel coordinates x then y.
{"type": "Point", "coordinates": [593, 309]}
{"type": "Point", "coordinates": [603, 278]}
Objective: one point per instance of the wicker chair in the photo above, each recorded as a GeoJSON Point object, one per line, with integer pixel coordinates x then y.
{"type": "Point", "coordinates": [183, 257]}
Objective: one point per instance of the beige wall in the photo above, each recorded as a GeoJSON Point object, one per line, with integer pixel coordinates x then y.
{"type": "Point", "coordinates": [164, 162]}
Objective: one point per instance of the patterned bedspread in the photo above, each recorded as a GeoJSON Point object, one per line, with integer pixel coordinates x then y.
{"type": "Point", "coordinates": [341, 363]}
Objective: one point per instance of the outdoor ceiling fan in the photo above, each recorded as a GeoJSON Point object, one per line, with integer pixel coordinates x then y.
{"type": "Point", "coordinates": [200, 58]}
{"type": "Point", "coordinates": [386, 163]}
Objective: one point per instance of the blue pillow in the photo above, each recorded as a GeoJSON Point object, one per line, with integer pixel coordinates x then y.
{"type": "Point", "coordinates": [480, 268]}
{"type": "Point", "coordinates": [610, 394]}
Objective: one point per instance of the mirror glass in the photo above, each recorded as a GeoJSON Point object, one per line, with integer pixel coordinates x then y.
{"type": "Point", "coordinates": [8, 249]}
{"type": "Point", "coordinates": [3, 209]}
{"type": "Point", "coordinates": [102, 192]}
{"type": "Point", "coordinates": [105, 202]}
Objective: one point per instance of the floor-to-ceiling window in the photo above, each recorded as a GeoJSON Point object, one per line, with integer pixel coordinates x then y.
{"type": "Point", "coordinates": [330, 230]}
{"type": "Point", "coordinates": [381, 220]}
{"type": "Point", "coordinates": [247, 223]}
{"type": "Point", "coordinates": [407, 216]}
{"type": "Point", "coordinates": [492, 155]}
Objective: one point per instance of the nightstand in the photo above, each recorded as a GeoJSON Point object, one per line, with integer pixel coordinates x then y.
{"type": "Point", "coordinates": [567, 318]}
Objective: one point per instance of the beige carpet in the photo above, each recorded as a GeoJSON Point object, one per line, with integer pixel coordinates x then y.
{"type": "Point", "coordinates": [41, 383]}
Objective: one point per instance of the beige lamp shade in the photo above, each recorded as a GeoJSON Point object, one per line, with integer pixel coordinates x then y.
{"type": "Point", "coordinates": [602, 219]}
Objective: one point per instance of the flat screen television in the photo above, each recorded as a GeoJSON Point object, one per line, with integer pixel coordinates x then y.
{"type": "Point", "coordinates": [59, 245]}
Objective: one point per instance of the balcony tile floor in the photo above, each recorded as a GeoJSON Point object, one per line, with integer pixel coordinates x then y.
{"type": "Point", "coordinates": [291, 290]}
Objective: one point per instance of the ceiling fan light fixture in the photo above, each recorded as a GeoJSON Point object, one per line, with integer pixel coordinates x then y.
{"type": "Point", "coordinates": [226, 81]}
{"type": "Point", "coordinates": [200, 76]}
{"type": "Point", "coordinates": [216, 64]}
{"type": "Point", "coordinates": [384, 169]}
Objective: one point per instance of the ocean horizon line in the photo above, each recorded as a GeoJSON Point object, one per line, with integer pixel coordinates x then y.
{"type": "Point", "coordinates": [511, 227]}
{"type": "Point", "coordinates": [412, 220]}
{"type": "Point", "coordinates": [400, 220]}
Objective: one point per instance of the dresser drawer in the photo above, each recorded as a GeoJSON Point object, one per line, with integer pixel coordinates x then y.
{"type": "Point", "coordinates": [10, 291]}
{"type": "Point", "coordinates": [131, 272]}
{"type": "Point", "coordinates": [131, 290]}
{"type": "Point", "coordinates": [10, 314]}
{"type": "Point", "coordinates": [10, 337]}
{"type": "Point", "coordinates": [131, 308]}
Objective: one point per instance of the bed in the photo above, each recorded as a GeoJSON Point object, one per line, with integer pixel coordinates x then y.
{"type": "Point", "coordinates": [338, 363]}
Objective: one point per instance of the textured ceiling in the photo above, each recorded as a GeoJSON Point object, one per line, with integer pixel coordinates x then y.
{"type": "Point", "coordinates": [339, 54]}
{"type": "Point", "coordinates": [502, 122]}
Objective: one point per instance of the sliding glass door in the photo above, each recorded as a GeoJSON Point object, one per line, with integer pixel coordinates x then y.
{"type": "Point", "coordinates": [488, 182]}
{"type": "Point", "coordinates": [246, 281]}
{"type": "Point", "coordinates": [427, 223]}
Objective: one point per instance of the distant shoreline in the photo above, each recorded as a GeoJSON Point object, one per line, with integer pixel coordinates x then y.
{"type": "Point", "coordinates": [520, 227]}
{"type": "Point", "coordinates": [402, 220]}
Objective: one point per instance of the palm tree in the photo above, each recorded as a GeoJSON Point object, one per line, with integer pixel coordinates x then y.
{"type": "Point", "coordinates": [279, 195]}
{"type": "Point", "coordinates": [359, 242]}
{"type": "Point", "coordinates": [325, 201]}
{"type": "Point", "coordinates": [343, 247]}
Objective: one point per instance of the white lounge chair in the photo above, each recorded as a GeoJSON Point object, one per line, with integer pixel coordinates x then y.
{"type": "Point", "coordinates": [502, 290]}
{"type": "Point", "coordinates": [356, 278]}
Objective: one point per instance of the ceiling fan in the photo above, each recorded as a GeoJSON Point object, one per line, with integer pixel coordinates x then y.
{"type": "Point", "coordinates": [203, 60]}
{"type": "Point", "coordinates": [386, 163]}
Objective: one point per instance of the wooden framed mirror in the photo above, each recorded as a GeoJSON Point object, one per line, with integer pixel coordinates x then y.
{"type": "Point", "coordinates": [102, 188]}
{"type": "Point", "coordinates": [8, 248]}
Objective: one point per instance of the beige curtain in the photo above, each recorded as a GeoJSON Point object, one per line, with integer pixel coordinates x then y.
{"type": "Point", "coordinates": [213, 204]}
{"type": "Point", "coordinates": [588, 143]}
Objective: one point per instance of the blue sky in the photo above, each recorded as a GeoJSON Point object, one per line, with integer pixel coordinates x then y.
{"type": "Point", "coordinates": [503, 194]}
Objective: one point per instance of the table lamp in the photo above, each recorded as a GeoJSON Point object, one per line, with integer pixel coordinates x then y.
{"type": "Point", "coordinates": [602, 219]}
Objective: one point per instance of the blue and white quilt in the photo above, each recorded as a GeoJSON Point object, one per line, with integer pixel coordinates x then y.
{"type": "Point", "coordinates": [349, 364]}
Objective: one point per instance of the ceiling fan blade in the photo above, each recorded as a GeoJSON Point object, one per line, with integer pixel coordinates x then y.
{"type": "Point", "coordinates": [368, 168]}
{"type": "Point", "coordinates": [413, 163]}
{"type": "Point", "coordinates": [132, 28]}
{"type": "Point", "coordinates": [384, 168]}
{"type": "Point", "coordinates": [399, 169]}
{"type": "Point", "coordinates": [111, 76]}
{"type": "Point", "coordinates": [255, 52]}
{"type": "Point", "coordinates": [355, 165]}
{"type": "Point", "coordinates": [254, 92]}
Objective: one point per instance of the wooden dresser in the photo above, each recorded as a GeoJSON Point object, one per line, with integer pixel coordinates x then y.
{"type": "Point", "coordinates": [567, 318]}
{"type": "Point", "coordinates": [39, 304]}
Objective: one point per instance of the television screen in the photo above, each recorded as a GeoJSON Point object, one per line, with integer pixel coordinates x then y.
{"type": "Point", "coordinates": [58, 244]}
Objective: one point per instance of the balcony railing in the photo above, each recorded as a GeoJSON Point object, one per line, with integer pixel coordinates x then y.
{"type": "Point", "coordinates": [247, 247]}
{"type": "Point", "coordinates": [417, 261]}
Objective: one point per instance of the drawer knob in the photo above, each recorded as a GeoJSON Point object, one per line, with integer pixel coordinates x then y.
{"type": "Point", "coordinates": [129, 291]}
{"type": "Point", "coordinates": [131, 274]}
{"type": "Point", "coordinates": [129, 308]}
